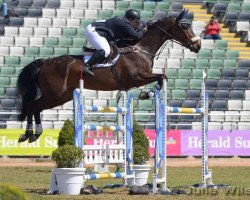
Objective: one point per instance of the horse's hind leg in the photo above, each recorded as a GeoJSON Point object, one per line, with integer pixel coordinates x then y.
{"type": "Point", "coordinates": [38, 128]}
{"type": "Point", "coordinates": [29, 130]}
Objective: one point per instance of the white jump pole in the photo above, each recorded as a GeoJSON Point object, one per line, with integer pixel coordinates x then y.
{"type": "Point", "coordinates": [206, 172]}
{"type": "Point", "coordinates": [203, 111]}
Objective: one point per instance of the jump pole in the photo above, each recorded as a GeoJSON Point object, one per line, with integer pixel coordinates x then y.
{"type": "Point", "coordinates": [108, 154]}
{"type": "Point", "coordinates": [160, 154]}
{"type": "Point", "coordinates": [203, 111]}
{"type": "Point", "coordinates": [206, 172]}
{"type": "Point", "coordinates": [160, 161]}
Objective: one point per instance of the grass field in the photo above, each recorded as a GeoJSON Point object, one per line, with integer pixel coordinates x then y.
{"type": "Point", "coordinates": [35, 181]}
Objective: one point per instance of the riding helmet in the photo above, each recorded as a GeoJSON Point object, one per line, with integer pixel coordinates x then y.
{"type": "Point", "coordinates": [132, 14]}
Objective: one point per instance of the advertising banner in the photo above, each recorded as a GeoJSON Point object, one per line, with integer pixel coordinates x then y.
{"type": "Point", "coordinates": [173, 142]}
{"type": "Point", "coordinates": [220, 143]}
{"type": "Point", "coordinates": [44, 146]}
{"type": "Point", "coordinates": [100, 138]}
{"type": "Point", "coordinates": [109, 138]}
{"type": "Point", "coordinates": [179, 143]}
{"type": "Point", "coordinates": [241, 143]}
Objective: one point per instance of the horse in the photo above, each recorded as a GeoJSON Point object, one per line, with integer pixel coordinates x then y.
{"type": "Point", "coordinates": [56, 78]}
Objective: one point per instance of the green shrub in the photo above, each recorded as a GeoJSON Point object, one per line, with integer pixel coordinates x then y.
{"type": "Point", "coordinates": [140, 145]}
{"type": "Point", "coordinates": [66, 135]}
{"type": "Point", "coordinates": [67, 156]}
{"type": "Point", "coordinates": [9, 192]}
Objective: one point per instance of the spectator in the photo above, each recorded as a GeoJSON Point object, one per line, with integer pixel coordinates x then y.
{"type": "Point", "coordinates": [212, 30]}
{"type": "Point", "coordinates": [4, 9]}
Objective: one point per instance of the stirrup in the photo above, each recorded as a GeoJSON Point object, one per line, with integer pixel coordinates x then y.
{"type": "Point", "coordinates": [87, 70]}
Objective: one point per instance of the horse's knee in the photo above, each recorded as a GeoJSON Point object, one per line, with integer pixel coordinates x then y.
{"type": "Point", "coordinates": [162, 77]}
{"type": "Point", "coordinates": [165, 77]}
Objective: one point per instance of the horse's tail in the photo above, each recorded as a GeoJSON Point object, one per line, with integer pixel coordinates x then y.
{"type": "Point", "coordinates": [26, 84]}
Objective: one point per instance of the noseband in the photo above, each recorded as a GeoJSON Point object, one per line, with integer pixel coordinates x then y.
{"type": "Point", "coordinates": [189, 44]}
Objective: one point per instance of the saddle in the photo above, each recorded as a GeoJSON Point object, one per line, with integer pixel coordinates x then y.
{"type": "Point", "coordinates": [108, 62]}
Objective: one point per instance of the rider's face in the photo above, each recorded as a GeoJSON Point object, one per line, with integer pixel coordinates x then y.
{"type": "Point", "coordinates": [134, 23]}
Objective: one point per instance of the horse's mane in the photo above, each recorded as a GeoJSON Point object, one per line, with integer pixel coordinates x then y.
{"type": "Point", "coordinates": [151, 24]}
{"type": "Point", "coordinates": [165, 20]}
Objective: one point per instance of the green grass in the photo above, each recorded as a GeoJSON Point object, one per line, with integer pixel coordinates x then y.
{"type": "Point", "coordinates": [35, 181]}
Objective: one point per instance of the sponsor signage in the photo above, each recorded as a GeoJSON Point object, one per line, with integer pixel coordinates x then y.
{"type": "Point", "coordinates": [179, 142]}
{"type": "Point", "coordinates": [220, 143]}
{"type": "Point", "coordinates": [44, 146]}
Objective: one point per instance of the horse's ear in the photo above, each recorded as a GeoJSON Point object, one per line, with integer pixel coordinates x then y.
{"type": "Point", "coordinates": [181, 15]}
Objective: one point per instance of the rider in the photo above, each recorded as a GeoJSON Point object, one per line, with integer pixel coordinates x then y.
{"type": "Point", "coordinates": [118, 29]}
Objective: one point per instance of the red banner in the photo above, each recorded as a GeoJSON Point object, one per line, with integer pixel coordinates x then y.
{"type": "Point", "coordinates": [173, 142]}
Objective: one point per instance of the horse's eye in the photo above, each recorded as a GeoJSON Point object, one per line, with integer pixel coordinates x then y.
{"type": "Point", "coordinates": [185, 26]}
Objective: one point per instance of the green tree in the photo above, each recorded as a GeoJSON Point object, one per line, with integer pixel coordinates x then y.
{"type": "Point", "coordinates": [140, 145]}
{"type": "Point", "coordinates": [66, 135]}
{"type": "Point", "coordinates": [67, 156]}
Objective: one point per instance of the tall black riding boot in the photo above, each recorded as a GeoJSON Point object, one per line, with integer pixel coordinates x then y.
{"type": "Point", "coordinates": [97, 57]}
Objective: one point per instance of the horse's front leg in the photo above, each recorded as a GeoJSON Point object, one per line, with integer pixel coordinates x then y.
{"type": "Point", "coordinates": [148, 78]}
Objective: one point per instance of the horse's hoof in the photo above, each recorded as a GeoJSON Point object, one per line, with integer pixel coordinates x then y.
{"type": "Point", "coordinates": [144, 95]}
{"type": "Point", "coordinates": [23, 138]}
{"type": "Point", "coordinates": [34, 138]}
{"type": "Point", "coordinates": [158, 87]}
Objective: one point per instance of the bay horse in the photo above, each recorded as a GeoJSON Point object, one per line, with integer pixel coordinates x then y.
{"type": "Point", "coordinates": [57, 77]}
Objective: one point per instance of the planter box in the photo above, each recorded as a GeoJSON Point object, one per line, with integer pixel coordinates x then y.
{"type": "Point", "coordinates": [141, 175]}
{"type": "Point", "coordinates": [69, 180]}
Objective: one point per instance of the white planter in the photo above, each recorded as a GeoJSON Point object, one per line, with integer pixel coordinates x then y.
{"type": "Point", "coordinates": [141, 175]}
{"type": "Point", "coordinates": [69, 180]}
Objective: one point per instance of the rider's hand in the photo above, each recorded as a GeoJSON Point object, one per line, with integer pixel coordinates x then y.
{"type": "Point", "coordinates": [144, 30]}
{"type": "Point", "coordinates": [150, 23]}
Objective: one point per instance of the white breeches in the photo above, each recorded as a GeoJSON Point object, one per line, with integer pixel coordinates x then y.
{"type": "Point", "coordinates": [96, 40]}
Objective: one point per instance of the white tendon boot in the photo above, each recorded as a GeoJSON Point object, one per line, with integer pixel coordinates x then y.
{"type": "Point", "coordinates": [38, 132]}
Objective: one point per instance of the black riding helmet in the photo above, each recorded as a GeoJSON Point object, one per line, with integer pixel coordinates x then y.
{"type": "Point", "coordinates": [132, 14]}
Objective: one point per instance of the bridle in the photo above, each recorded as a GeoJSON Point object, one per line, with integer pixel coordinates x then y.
{"type": "Point", "coordinates": [168, 36]}
{"type": "Point", "coordinates": [189, 45]}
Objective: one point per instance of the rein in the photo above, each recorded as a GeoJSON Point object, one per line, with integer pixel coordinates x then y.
{"type": "Point", "coordinates": [151, 54]}
{"type": "Point", "coordinates": [171, 37]}
{"type": "Point", "coordinates": [189, 45]}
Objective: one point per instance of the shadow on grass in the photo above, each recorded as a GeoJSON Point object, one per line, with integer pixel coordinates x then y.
{"type": "Point", "coordinates": [37, 191]}
{"type": "Point", "coordinates": [40, 170]}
